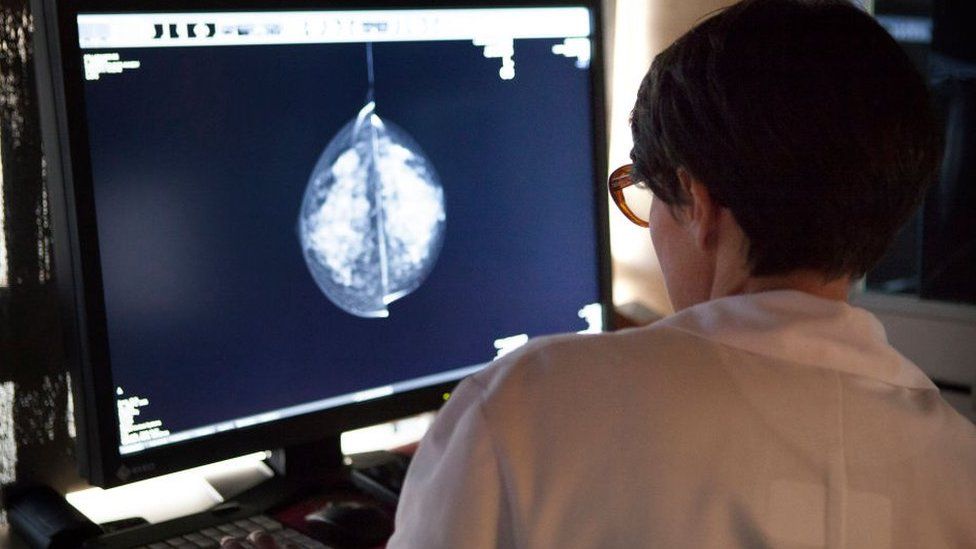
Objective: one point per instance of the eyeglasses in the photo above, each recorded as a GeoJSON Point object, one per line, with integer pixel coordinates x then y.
{"type": "Point", "coordinates": [623, 191]}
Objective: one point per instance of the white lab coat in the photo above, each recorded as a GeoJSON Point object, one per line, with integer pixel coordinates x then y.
{"type": "Point", "coordinates": [776, 419]}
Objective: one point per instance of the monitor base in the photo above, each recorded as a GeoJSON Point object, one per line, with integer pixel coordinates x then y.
{"type": "Point", "coordinates": [308, 460]}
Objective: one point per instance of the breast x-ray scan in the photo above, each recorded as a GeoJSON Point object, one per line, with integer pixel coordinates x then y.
{"type": "Point", "coordinates": [372, 219]}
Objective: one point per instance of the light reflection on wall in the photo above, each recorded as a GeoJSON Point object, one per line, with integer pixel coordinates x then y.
{"type": "Point", "coordinates": [641, 29]}
{"type": "Point", "coordinates": [633, 257]}
{"type": "Point", "coordinates": [637, 274]}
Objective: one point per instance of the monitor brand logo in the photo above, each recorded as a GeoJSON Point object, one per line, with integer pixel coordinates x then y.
{"type": "Point", "coordinates": [125, 473]}
{"type": "Point", "coordinates": [187, 30]}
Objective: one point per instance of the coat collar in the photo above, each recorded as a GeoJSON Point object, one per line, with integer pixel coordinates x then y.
{"type": "Point", "coordinates": [805, 329]}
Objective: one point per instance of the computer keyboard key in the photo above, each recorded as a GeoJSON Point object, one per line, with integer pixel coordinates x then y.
{"type": "Point", "coordinates": [268, 524]}
{"type": "Point", "coordinates": [248, 525]}
{"type": "Point", "coordinates": [158, 545]}
{"type": "Point", "coordinates": [201, 541]}
{"type": "Point", "coordinates": [233, 530]}
{"type": "Point", "coordinates": [212, 533]}
{"type": "Point", "coordinates": [175, 542]}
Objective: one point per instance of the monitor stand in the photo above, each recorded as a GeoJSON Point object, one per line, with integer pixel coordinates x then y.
{"type": "Point", "coordinates": [309, 460]}
{"type": "Point", "coordinates": [300, 470]}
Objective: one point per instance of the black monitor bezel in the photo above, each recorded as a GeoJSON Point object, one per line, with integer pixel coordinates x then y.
{"type": "Point", "coordinates": [61, 94]}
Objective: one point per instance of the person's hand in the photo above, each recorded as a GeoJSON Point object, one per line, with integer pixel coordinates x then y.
{"type": "Point", "coordinates": [258, 539]}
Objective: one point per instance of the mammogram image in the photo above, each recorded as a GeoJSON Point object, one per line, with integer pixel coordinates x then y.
{"type": "Point", "coordinates": [372, 219]}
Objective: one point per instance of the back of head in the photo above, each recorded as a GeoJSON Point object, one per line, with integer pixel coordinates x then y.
{"type": "Point", "coordinates": [804, 118]}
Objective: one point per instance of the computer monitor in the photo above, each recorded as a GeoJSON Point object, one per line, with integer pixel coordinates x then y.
{"type": "Point", "coordinates": [277, 221]}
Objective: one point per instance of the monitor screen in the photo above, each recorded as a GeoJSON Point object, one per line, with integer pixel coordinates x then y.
{"type": "Point", "coordinates": [299, 210]}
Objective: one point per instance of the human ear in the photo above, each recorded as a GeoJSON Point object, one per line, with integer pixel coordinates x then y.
{"type": "Point", "coordinates": [703, 212]}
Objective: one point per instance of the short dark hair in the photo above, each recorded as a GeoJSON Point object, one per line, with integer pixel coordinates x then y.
{"type": "Point", "coordinates": [804, 118]}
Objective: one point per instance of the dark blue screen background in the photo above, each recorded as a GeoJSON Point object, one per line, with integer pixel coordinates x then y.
{"type": "Point", "coordinates": [200, 158]}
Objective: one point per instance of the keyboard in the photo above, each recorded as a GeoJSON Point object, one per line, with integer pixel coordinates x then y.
{"type": "Point", "coordinates": [210, 537]}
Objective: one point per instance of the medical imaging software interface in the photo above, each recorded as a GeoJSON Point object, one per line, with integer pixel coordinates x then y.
{"type": "Point", "coordinates": [299, 210]}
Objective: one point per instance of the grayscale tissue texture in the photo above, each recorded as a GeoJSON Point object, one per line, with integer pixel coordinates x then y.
{"type": "Point", "coordinates": [372, 219]}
